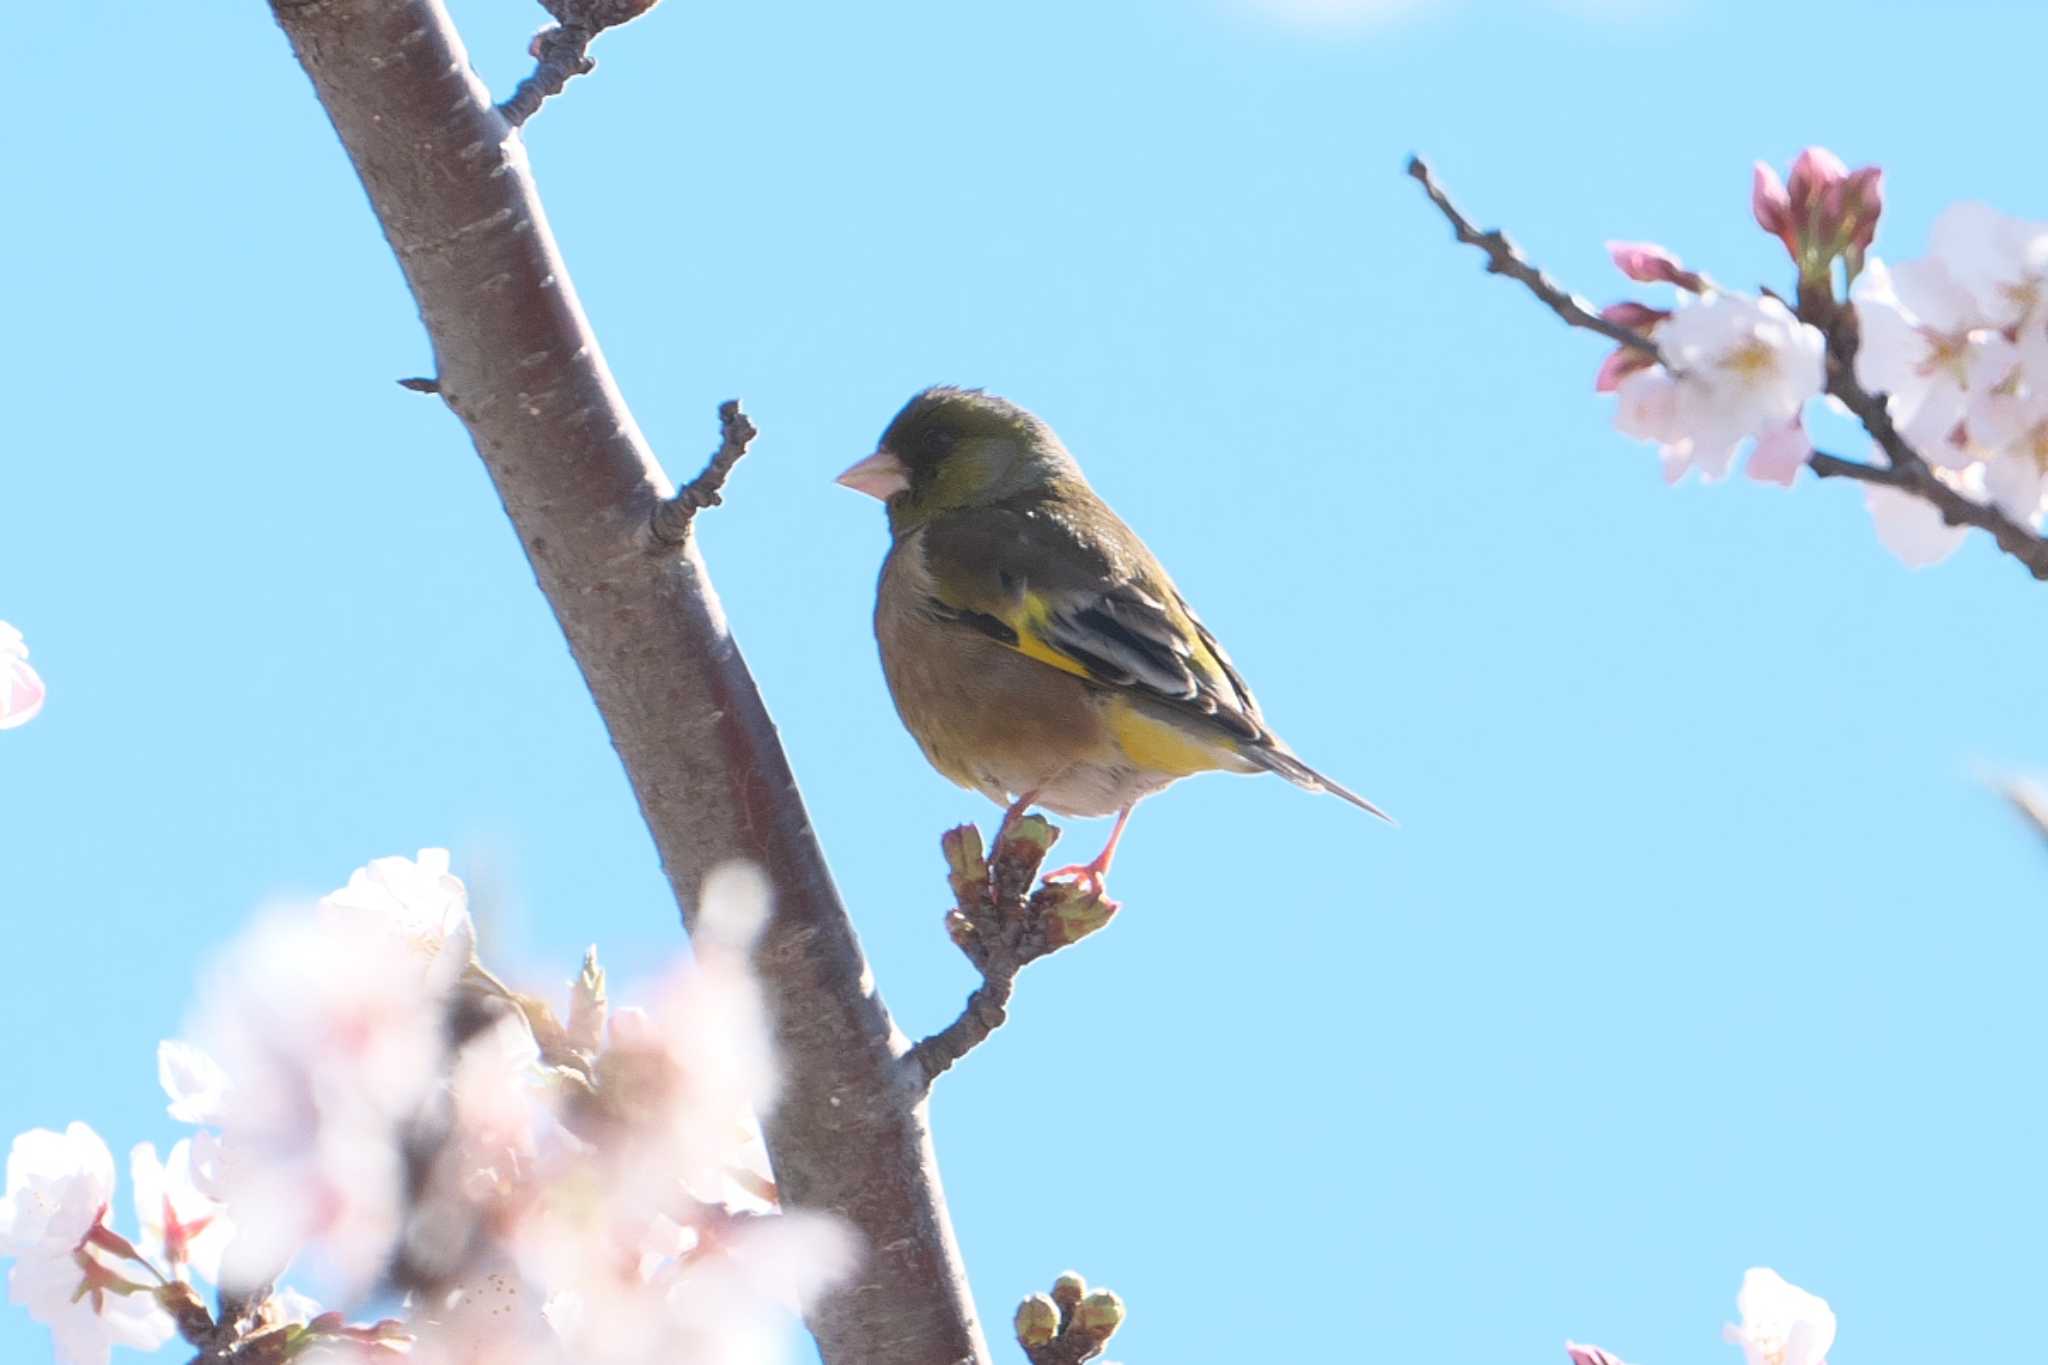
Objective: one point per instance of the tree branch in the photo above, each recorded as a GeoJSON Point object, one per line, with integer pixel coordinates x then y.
{"type": "Point", "coordinates": [736, 432]}
{"type": "Point", "coordinates": [1908, 472]}
{"type": "Point", "coordinates": [1503, 258]}
{"type": "Point", "coordinates": [1003, 926]}
{"type": "Point", "coordinates": [517, 362]}
{"type": "Point", "coordinates": [561, 51]}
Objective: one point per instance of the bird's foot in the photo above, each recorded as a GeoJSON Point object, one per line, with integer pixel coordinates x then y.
{"type": "Point", "coordinates": [1088, 878]}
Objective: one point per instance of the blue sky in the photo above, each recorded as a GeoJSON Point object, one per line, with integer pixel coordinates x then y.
{"type": "Point", "coordinates": [1701, 943]}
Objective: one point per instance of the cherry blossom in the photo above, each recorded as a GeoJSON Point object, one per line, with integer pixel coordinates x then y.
{"type": "Point", "coordinates": [1781, 1324]}
{"type": "Point", "coordinates": [1923, 338]}
{"type": "Point", "coordinates": [315, 1053]}
{"type": "Point", "coordinates": [1734, 368]}
{"type": "Point", "coordinates": [1911, 527]}
{"type": "Point", "coordinates": [419, 901]}
{"type": "Point", "coordinates": [181, 1223]}
{"type": "Point", "coordinates": [2002, 261]}
{"type": "Point", "coordinates": [52, 1223]}
{"type": "Point", "coordinates": [21, 690]}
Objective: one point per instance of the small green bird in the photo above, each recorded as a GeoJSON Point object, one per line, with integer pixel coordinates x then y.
{"type": "Point", "coordinates": [1035, 648]}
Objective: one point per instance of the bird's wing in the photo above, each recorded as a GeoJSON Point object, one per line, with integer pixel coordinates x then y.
{"type": "Point", "coordinates": [1087, 599]}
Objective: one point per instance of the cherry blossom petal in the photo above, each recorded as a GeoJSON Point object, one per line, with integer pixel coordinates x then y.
{"type": "Point", "coordinates": [1910, 527]}
{"type": "Point", "coordinates": [1780, 454]}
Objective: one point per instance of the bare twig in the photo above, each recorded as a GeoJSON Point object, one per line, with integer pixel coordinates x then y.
{"type": "Point", "coordinates": [1503, 258]}
{"type": "Point", "coordinates": [561, 51]}
{"type": "Point", "coordinates": [1002, 925]}
{"type": "Point", "coordinates": [1907, 471]}
{"type": "Point", "coordinates": [516, 360]}
{"type": "Point", "coordinates": [736, 432]}
{"type": "Point", "coordinates": [420, 384]}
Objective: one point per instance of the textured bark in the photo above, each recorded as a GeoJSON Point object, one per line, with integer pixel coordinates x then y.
{"type": "Point", "coordinates": [517, 362]}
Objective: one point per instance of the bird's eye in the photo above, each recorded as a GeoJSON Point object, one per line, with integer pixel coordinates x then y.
{"type": "Point", "coordinates": [937, 441]}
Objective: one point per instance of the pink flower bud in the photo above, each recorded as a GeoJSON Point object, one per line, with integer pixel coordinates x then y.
{"type": "Point", "coordinates": [1853, 208]}
{"type": "Point", "coordinates": [1637, 317]}
{"type": "Point", "coordinates": [1773, 207]}
{"type": "Point", "coordinates": [1646, 262]}
{"type": "Point", "coordinates": [1590, 1355]}
{"type": "Point", "coordinates": [1621, 362]}
{"type": "Point", "coordinates": [1814, 175]}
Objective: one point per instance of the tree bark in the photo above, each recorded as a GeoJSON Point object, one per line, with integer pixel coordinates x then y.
{"type": "Point", "coordinates": [516, 360]}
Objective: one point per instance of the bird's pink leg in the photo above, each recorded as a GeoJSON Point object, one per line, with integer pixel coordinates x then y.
{"type": "Point", "coordinates": [1093, 874]}
{"type": "Point", "coordinates": [1014, 812]}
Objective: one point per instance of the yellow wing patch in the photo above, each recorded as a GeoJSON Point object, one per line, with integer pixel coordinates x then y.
{"type": "Point", "coordinates": [1033, 613]}
{"type": "Point", "coordinates": [1160, 746]}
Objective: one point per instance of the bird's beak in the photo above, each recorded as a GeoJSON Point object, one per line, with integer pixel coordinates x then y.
{"type": "Point", "coordinates": [881, 475]}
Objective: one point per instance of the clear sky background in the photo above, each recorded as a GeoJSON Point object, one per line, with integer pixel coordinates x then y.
{"type": "Point", "coordinates": [1701, 944]}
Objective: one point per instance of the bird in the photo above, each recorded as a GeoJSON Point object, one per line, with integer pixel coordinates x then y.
{"type": "Point", "coordinates": [1035, 648]}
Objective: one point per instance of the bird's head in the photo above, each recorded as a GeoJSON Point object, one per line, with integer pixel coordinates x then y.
{"type": "Point", "coordinates": [952, 449]}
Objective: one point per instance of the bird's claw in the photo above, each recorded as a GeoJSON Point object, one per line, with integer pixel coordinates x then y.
{"type": "Point", "coordinates": [1087, 879]}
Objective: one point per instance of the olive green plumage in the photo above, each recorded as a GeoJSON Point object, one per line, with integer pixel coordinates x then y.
{"type": "Point", "coordinates": [1033, 645]}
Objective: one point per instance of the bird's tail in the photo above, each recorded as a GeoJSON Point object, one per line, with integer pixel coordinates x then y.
{"type": "Point", "coordinates": [1277, 760]}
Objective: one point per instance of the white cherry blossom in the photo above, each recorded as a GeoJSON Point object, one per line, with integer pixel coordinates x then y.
{"type": "Point", "coordinates": [59, 1188]}
{"type": "Point", "coordinates": [1923, 344]}
{"type": "Point", "coordinates": [181, 1223]}
{"type": "Point", "coordinates": [2001, 260]}
{"type": "Point", "coordinates": [1735, 368]}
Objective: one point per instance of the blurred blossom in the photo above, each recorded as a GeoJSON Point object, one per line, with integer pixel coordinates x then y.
{"type": "Point", "coordinates": [181, 1223]}
{"type": "Point", "coordinates": [193, 1081]}
{"type": "Point", "coordinates": [712, 1289]}
{"type": "Point", "coordinates": [1781, 1324]}
{"type": "Point", "coordinates": [315, 1053]}
{"type": "Point", "coordinates": [59, 1189]}
{"type": "Point", "coordinates": [682, 1080]}
{"type": "Point", "coordinates": [545, 1200]}
{"type": "Point", "coordinates": [21, 690]}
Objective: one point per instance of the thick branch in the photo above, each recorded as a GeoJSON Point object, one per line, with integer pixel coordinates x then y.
{"type": "Point", "coordinates": [1908, 472]}
{"type": "Point", "coordinates": [517, 362]}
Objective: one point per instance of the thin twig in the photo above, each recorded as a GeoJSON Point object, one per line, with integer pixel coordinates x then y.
{"type": "Point", "coordinates": [561, 51]}
{"type": "Point", "coordinates": [1504, 258]}
{"type": "Point", "coordinates": [1908, 471]}
{"type": "Point", "coordinates": [736, 431]}
{"type": "Point", "coordinates": [1002, 926]}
